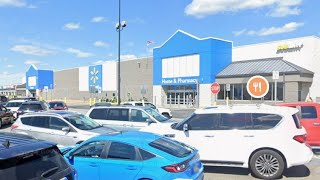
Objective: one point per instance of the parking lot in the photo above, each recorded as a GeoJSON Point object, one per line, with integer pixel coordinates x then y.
{"type": "Point", "coordinates": [308, 171]}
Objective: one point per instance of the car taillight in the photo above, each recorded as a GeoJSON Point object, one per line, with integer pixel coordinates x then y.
{"type": "Point", "coordinates": [176, 168]}
{"type": "Point", "coordinates": [14, 127]}
{"type": "Point", "coordinates": [300, 138]}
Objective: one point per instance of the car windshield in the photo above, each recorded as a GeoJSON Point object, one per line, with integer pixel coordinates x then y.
{"type": "Point", "coordinates": [55, 104]}
{"type": "Point", "coordinates": [30, 107]}
{"type": "Point", "coordinates": [13, 104]}
{"type": "Point", "coordinates": [156, 115]}
{"type": "Point", "coordinates": [176, 125]}
{"type": "Point", "coordinates": [82, 122]}
{"type": "Point", "coordinates": [172, 147]}
{"type": "Point", "coordinates": [150, 105]}
{"type": "Point", "coordinates": [37, 165]}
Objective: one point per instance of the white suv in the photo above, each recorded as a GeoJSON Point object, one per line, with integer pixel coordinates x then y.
{"type": "Point", "coordinates": [164, 111]}
{"type": "Point", "coordinates": [266, 139]}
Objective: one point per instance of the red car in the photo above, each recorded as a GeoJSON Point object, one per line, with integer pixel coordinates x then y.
{"type": "Point", "coordinates": [309, 114]}
{"type": "Point", "coordinates": [58, 105]}
{"type": "Point", "coordinates": [6, 117]}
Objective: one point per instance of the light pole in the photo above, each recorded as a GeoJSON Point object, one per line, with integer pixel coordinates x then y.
{"type": "Point", "coordinates": [119, 27]}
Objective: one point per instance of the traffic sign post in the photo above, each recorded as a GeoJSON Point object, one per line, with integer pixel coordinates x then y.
{"type": "Point", "coordinates": [215, 89]}
{"type": "Point", "coordinates": [257, 86]}
{"type": "Point", "coordinates": [275, 77]}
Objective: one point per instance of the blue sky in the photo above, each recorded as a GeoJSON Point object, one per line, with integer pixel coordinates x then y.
{"type": "Point", "coordinates": [60, 34]}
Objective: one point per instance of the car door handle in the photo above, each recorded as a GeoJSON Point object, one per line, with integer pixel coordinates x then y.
{"type": "Point", "coordinates": [131, 168]}
{"type": "Point", "coordinates": [316, 124]}
{"type": "Point", "coordinates": [209, 136]}
{"type": "Point", "coordinates": [248, 136]}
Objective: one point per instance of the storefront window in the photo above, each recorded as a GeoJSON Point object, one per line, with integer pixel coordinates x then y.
{"type": "Point", "coordinates": [280, 91]}
{"type": "Point", "coordinates": [237, 89]}
{"type": "Point", "coordinates": [269, 95]}
{"type": "Point", "coordinates": [246, 95]}
{"type": "Point", "coordinates": [221, 92]}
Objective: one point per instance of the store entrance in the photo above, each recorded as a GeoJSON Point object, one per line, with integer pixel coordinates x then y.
{"type": "Point", "coordinates": [181, 96]}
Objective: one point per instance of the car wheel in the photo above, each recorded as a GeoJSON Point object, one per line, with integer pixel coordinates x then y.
{"type": "Point", "coordinates": [267, 164]}
{"type": "Point", "coordinates": [166, 115]}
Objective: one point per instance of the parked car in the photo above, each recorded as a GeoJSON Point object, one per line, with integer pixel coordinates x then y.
{"type": "Point", "coordinates": [266, 139]}
{"type": "Point", "coordinates": [3, 100]}
{"type": "Point", "coordinates": [101, 104]}
{"type": "Point", "coordinates": [62, 127]}
{"type": "Point", "coordinates": [165, 112]}
{"type": "Point", "coordinates": [22, 157]}
{"type": "Point", "coordinates": [58, 105]}
{"type": "Point", "coordinates": [6, 117]}
{"type": "Point", "coordinates": [32, 106]}
{"type": "Point", "coordinates": [13, 106]}
{"type": "Point", "coordinates": [127, 117]}
{"type": "Point", "coordinates": [135, 155]}
{"type": "Point", "coordinates": [309, 115]}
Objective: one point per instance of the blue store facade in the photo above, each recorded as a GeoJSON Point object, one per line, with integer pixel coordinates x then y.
{"type": "Point", "coordinates": [38, 81]}
{"type": "Point", "coordinates": [185, 66]}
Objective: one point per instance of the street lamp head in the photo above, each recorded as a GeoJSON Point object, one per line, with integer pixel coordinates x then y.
{"type": "Point", "coordinates": [117, 25]}
{"type": "Point", "coordinates": [123, 24]}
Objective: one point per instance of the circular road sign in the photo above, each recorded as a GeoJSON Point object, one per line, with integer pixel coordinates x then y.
{"type": "Point", "coordinates": [257, 86]}
{"type": "Point", "coordinates": [215, 88]}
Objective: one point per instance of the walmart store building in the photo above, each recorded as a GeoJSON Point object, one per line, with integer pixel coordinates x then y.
{"type": "Point", "coordinates": [183, 68]}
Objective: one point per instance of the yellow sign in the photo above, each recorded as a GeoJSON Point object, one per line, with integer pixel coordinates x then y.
{"type": "Point", "coordinates": [283, 47]}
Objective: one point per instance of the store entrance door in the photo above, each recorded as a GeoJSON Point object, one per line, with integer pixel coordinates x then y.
{"type": "Point", "coordinates": [181, 96]}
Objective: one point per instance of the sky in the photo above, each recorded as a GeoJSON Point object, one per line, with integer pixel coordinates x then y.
{"type": "Point", "coordinates": [63, 34]}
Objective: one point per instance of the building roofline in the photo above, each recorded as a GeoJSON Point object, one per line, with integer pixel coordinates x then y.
{"type": "Point", "coordinates": [276, 41]}
{"type": "Point", "coordinates": [107, 61]}
{"type": "Point", "coordinates": [190, 35]}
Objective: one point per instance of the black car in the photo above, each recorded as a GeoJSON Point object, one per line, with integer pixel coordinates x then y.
{"type": "Point", "coordinates": [22, 157]}
{"type": "Point", "coordinates": [32, 106]}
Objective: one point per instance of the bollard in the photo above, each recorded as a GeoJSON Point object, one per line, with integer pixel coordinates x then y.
{"type": "Point", "coordinates": [227, 101]}
{"type": "Point", "coordinates": [94, 101]}
{"type": "Point", "coordinates": [90, 102]}
{"type": "Point", "coordinates": [65, 99]}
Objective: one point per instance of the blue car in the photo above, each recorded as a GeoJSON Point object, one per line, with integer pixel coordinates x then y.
{"type": "Point", "coordinates": [136, 156]}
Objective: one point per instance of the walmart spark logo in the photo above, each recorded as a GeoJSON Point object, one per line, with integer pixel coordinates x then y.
{"type": "Point", "coordinates": [94, 75]}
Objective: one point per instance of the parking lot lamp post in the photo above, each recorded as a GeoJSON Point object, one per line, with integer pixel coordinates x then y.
{"type": "Point", "coordinates": [119, 27]}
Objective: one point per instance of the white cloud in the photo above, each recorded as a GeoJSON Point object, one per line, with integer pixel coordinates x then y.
{"type": "Point", "coordinates": [98, 62]}
{"type": "Point", "coordinates": [79, 53]}
{"type": "Point", "coordinates": [202, 8]}
{"type": "Point", "coordinates": [34, 62]}
{"type": "Point", "coordinates": [14, 3]}
{"type": "Point", "coordinates": [128, 57]}
{"type": "Point", "coordinates": [100, 44]}
{"type": "Point", "coordinates": [31, 6]}
{"type": "Point", "coordinates": [11, 79]}
{"type": "Point", "coordinates": [71, 26]}
{"type": "Point", "coordinates": [10, 66]}
{"type": "Point", "coordinates": [31, 50]}
{"type": "Point", "coordinates": [238, 33]}
{"type": "Point", "coordinates": [98, 19]}
{"type": "Point", "coordinates": [289, 27]}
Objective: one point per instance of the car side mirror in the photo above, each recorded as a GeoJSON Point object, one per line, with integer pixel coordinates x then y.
{"type": "Point", "coordinates": [149, 121]}
{"type": "Point", "coordinates": [185, 127]}
{"type": "Point", "coordinates": [66, 129]}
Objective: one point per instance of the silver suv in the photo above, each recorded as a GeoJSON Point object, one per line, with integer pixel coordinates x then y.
{"type": "Point", "coordinates": [128, 117]}
{"type": "Point", "coordinates": [62, 127]}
